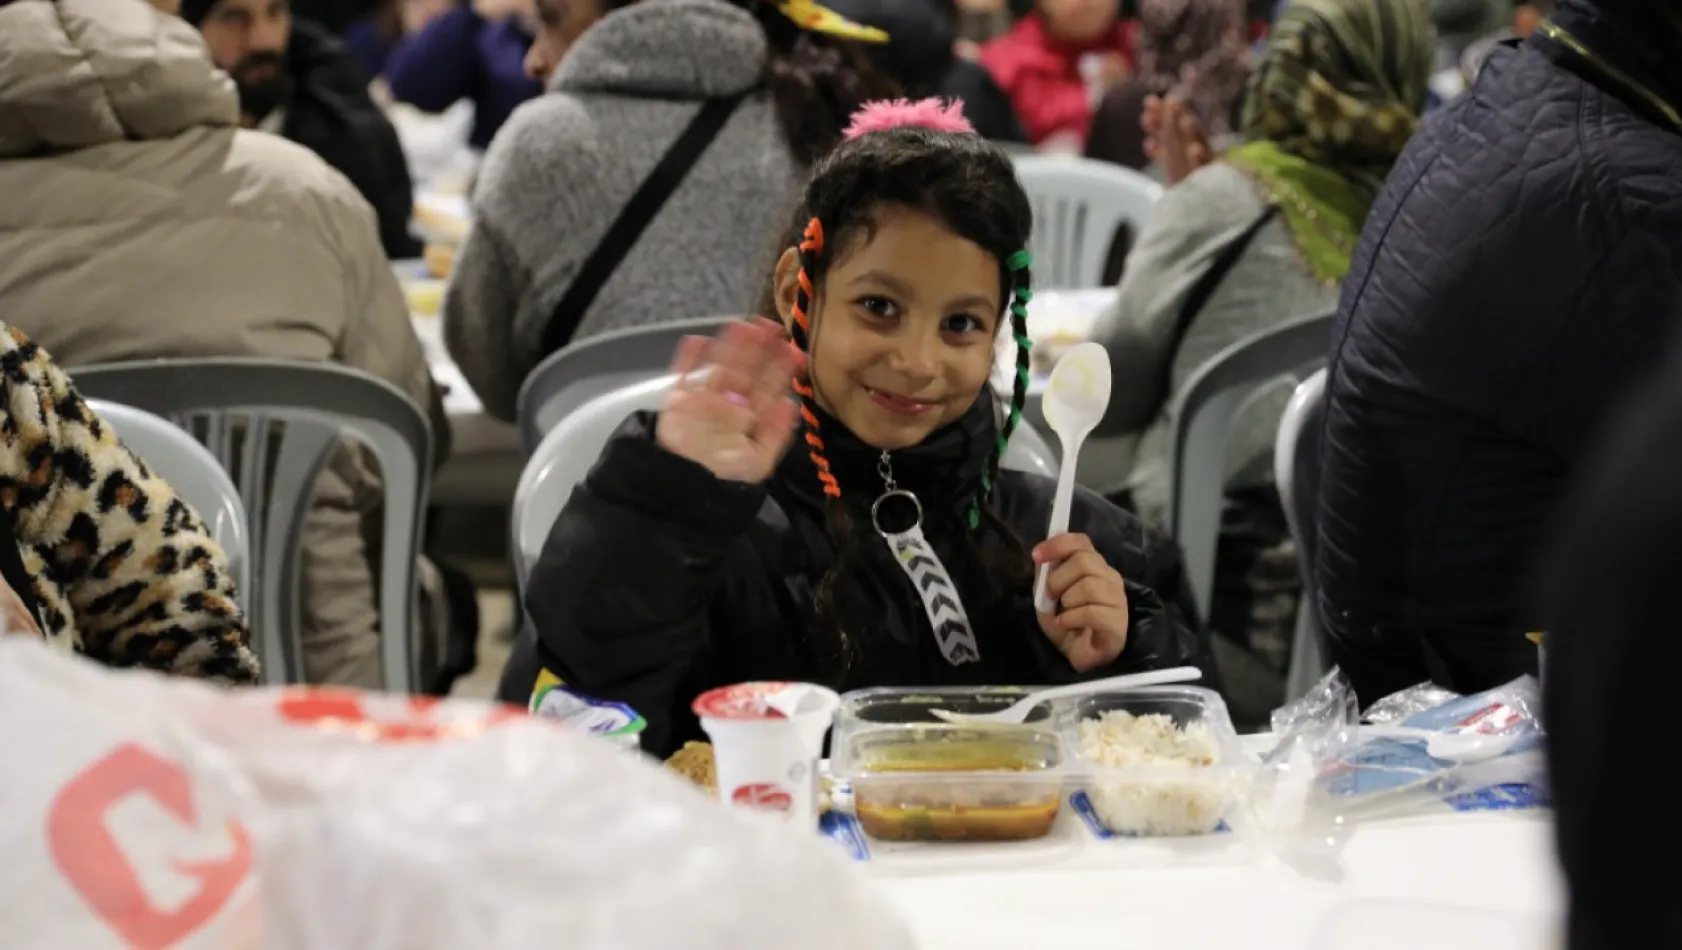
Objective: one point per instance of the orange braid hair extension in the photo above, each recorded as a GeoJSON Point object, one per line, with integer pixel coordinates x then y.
{"type": "Point", "coordinates": [810, 246]}
{"type": "Point", "coordinates": [837, 520]}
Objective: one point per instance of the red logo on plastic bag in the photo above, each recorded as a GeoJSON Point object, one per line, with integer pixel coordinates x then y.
{"type": "Point", "coordinates": [767, 797]}
{"type": "Point", "coordinates": [344, 709]}
{"type": "Point", "coordinates": [103, 875]}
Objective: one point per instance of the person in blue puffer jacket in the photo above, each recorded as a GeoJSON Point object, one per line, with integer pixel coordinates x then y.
{"type": "Point", "coordinates": [476, 51]}
{"type": "Point", "coordinates": [1516, 273]}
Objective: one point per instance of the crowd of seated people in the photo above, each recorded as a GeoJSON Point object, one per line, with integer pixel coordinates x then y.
{"type": "Point", "coordinates": [147, 216]}
{"type": "Point", "coordinates": [219, 178]}
{"type": "Point", "coordinates": [1503, 264]}
{"type": "Point", "coordinates": [537, 271]}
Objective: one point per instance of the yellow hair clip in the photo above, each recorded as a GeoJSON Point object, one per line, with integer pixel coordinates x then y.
{"type": "Point", "coordinates": [809, 15]}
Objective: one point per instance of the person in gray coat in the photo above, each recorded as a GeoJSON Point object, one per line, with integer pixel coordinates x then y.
{"type": "Point", "coordinates": [563, 168]}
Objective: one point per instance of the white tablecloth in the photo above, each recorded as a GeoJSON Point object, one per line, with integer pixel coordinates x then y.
{"type": "Point", "coordinates": [485, 456]}
{"type": "Point", "coordinates": [1445, 880]}
{"type": "Point", "coordinates": [1057, 317]}
{"type": "Point", "coordinates": [1481, 881]}
{"type": "Point", "coordinates": [459, 398]}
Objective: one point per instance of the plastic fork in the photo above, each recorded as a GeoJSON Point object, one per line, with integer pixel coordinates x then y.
{"type": "Point", "coordinates": [1017, 713]}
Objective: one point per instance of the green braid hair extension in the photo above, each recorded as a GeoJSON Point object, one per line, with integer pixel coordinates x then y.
{"type": "Point", "coordinates": [1021, 292]}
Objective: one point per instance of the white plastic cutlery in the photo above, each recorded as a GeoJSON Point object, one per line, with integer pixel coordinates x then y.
{"type": "Point", "coordinates": [1017, 713]}
{"type": "Point", "coordinates": [1074, 404]}
{"type": "Point", "coordinates": [1463, 747]}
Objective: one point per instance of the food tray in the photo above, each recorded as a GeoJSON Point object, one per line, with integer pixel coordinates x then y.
{"type": "Point", "coordinates": [914, 777]}
{"type": "Point", "coordinates": [1157, 799]}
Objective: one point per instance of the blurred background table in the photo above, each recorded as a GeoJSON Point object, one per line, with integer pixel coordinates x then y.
{"type": "Point", "coordinates": [485, 462]}
{"type": "Point", "coordinates": [485, 457]}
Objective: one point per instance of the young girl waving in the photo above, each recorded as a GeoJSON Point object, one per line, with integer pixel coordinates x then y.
{"type": "Point", "coordinates": [862, 533]}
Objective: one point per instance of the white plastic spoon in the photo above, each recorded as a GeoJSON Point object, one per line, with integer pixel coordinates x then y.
{"type": "Point", "coordinates": [1464, 747]}
{"type": "Point", "coordinates": [1017, 713]}
{"type": "Point", "coordinates": [1074, 404]}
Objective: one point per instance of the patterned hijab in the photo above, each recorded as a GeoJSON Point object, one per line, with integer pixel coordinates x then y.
{"type": "Point", "coordinates": [1342, 84]}
{"type": "Point", "coordinates": [1328, 110]}
{"type": "Point", "coordinates": [1197, 50]}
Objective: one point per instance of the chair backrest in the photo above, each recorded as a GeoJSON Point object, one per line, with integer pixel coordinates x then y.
{"type": "Point", "coordinates": [1296, 463]}
{"type": "Point", "coordinates": [567, 453]}
{"type": "Point", "coordinates": [1296, 470]}
{"type": "Point", "coordinates": [173, 455]}
{"type": "Point", "coordinates": [1078, 205]}
{"type": "Point", "coordinates": [273, 425]}
{"type": "Point", "coordinates": [1203, 413]}
{"type": "Point", "coordinates": [581, 371]}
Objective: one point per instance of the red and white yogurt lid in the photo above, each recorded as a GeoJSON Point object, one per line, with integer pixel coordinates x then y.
{"type": "Point", "coordinates": [743, 701]}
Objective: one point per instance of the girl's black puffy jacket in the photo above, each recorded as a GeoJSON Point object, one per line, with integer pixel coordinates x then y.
{"type": "Point", "coordinates": [660, 581]}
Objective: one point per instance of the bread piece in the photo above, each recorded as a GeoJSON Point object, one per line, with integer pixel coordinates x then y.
{"type": "Point", "coordinates": [440, 259]}
{"type": "Point", "coordinates": [695, 762]}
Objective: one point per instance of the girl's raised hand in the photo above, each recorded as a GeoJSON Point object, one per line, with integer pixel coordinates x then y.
{"type": "Point", "coordinates": [737, 419]}
{"type": "Point", "coordinates": [1091, 629]}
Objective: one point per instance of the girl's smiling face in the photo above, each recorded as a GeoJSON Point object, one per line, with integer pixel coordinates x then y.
{"type": "Point", "coordinates": [903, 326]}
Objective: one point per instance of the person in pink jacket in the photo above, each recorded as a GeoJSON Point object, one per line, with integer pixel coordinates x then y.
{"type": "Point", "coordinates": [1057, 62]}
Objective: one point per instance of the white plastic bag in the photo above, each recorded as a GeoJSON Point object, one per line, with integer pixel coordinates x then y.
{"type": "Point", "coordinates": [142, 812]}
{"type": "Point", "coordinates": [1324, 776]}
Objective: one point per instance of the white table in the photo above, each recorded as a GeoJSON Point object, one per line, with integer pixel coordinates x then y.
{"type": "Point", "coordinates": [1464, 881]}
{"type": "Point", "coordinates": [1440, 880]}
{"type": "Point", "coordinates": [1056, 320]}
{"type": "Point", "coordinates": [485, 456]}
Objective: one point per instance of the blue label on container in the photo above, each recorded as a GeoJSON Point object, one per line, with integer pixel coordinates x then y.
{"type": "Point", "coordinates": [844, 830]}
{"type": "Point", "coordinates": [1082, 804]}
{"type": "Point", "coordinates": [1501, 798]}
{"type": "Point", "coordinates": [1387, 763]}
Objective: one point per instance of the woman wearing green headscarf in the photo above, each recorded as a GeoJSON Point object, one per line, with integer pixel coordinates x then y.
{"type": "Point", "coordinates": [1327, 111]}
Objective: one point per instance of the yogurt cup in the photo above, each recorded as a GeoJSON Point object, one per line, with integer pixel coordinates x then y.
{"type": "Point", "coordinates": [616, 723]}
{"type": "Point", "coordinates": [767, 738]}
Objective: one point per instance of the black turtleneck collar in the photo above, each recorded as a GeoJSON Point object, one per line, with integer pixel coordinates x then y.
{"type": "Point", "coordinates": [1632, 35]}
{"type": "Point", "coordinates": [942, 471]}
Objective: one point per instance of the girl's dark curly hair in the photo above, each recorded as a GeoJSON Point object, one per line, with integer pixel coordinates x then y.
{"type": "Point", "coordinates": [970, 186]}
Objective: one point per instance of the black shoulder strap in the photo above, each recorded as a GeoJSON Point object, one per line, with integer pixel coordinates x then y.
{"type": "Point", "coordinates": [635, 217]}
{"type": "Point", "coordinates": [12, 569]}
{"type": "Point", "coordinates": [1210, 282]}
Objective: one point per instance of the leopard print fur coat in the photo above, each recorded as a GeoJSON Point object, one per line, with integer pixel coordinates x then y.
{"type": "Point", "coordinates": [123, 570]}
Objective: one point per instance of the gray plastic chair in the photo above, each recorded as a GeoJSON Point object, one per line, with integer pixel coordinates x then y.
{"type": "Point", "coordinates": [273, 424]}
{"type": "Point", "coordinates": [172, 454]}
{"type": "Point", "coordinates": [567, 453]}
{"type": "Point", "coordinates": [1203, 413]}
{"type": "Point", "coordinates": [1296, 470]}
{"type": "Point", "coordinates": [601, 364]}
{"type": "Point", "coordinates": [1078, 205]}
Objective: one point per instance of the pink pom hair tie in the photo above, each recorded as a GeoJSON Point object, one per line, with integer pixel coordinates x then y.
{"type": "Point", "coordinates": [937, 115]}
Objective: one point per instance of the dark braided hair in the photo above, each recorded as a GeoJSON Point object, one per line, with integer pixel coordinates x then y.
{"type": "Point", "coordinates": [970, 186]}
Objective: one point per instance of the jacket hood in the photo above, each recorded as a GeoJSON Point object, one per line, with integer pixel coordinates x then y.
{"type": "Point", "coordinates": [680, 49]}
{"type": "Point", "coordinates": [80, 73]}
{"type": "Point", "coordinates": [319, 60]}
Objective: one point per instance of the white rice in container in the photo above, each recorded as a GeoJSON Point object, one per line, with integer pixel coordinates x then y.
{"type": "Point", "coordinates": [1176, 792]}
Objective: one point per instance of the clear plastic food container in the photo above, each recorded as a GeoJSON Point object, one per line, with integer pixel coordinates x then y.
{"type": "Point", "coordinates": [917, 778]}
{"type": "Point", "coordinates": [1158, 761]}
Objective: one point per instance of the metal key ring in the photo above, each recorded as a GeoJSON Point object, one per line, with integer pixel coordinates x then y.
{"type": "Point", "coordinates": [876, 511]}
